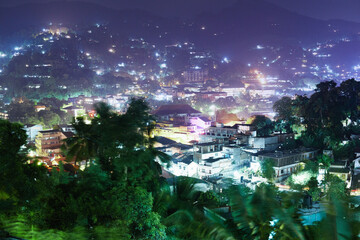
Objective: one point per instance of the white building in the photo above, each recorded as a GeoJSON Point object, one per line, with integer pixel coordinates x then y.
{"type": "Point", "coordinates": [287, 162]}
{"type": "Point", "coordinates": [268, 143]}
{"type": "Point", "coordinates": [32, 131]}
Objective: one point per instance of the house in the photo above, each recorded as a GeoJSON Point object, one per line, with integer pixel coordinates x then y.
{"type": "Point", "coordinates": [67, 128]}
{"type": "Point", "coordinates": [217, 132]}
{"type": "Point", "coordinates": [183, 165]}
{"type": "Point", "coordinates": [237, 154]}
{"type": "Point", "coordinates": [200, 122]}
{"type": "Point", "coordinates": [233, 91]}
{"type": "Point", "coordinates": [39, 108]}
{"type": "Point", "coordinates": [340, 169]}
{"type": "Point", "coordinates": [176, 113]}
{"type": "Point", "coordinates": [285, 137]}
{"type": "Point", "coordinates": [50, 141]}
{"type": "Point", "coordinates": [264, 143]}
{"type": "Point", "coordinates": [212, 167]}
{"type": "Point", "coordinates": [245, 128]}
{"type": "Point", "coordinates": [286, 162]}
{"type": "Point", "coordinates": [204, 151]}
{"type": "Point", "coordinates": [213, 161]}
{"type": "Point", "coordinates": [180, 133]}
{"type": "Point", "coordinates": [32, 130]}
{"type": "Point", "coordinates": [74, 111]}
{"type": "Point", "coordinates": [212, 96]}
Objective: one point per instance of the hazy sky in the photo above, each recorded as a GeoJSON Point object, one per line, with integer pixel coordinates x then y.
{"type": "Point", "coordinates": [323, 9]}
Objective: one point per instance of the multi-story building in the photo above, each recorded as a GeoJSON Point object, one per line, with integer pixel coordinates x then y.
{"type": "Point", "coordinates": [50, 142]}
{"type": "Point", "coordinates": [286, 162]}
{"type": "Point", "coordinates": [212, 160]}
{"type": "Point", "coordinates": [32, 130]}
{"type": "Point", "coordinates": [203, 151]}
{"type": "Point", "coordinates": [233, 91]}
{"type": "Point", "coordinates": [195, 75]}
{"type": "Point", "coordinates": [180, 113]}
{"type": "Point", "coordinates": [217, 132]}
{"type": "Point", "coordinates": [264, 143]}
{"type": "Point", "coordinates": [245, 128]}
{"type": "Point", "coordinates": [237, 154]}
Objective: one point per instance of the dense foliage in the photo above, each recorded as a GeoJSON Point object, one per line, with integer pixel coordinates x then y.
{"type": "Point", "coordinates": [120, 194]}
{"type": "Point", "coordinates": [325, 119]}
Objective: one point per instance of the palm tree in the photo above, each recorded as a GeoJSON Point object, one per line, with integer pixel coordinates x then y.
{"type": "Point", "coordinates": [83, 146]}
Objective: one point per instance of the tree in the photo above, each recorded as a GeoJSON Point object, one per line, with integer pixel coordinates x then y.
{"type": "Point", "coordinates": [48, 118]}
{"type": "Point", "coordinates": [325, 161]}
{"type": "Point", "coordinates": [21, 110]}
{"type": "Point", "coordinates": [264, 126]}
{"type": "Point", "coordinates": [314, 189]}
{"type": "Point", "coordinates": [83, 145]}
{"type": "Point", "coordinates": [335, 187]}
{"type": "Point", "coordinates": [283, 108]}
{"type": "Point", "coordinates": [267, 169]}
{"type": "Point", "coordinates": [18, 180]}
{"type": "Point", "coordinates": [350, 90]}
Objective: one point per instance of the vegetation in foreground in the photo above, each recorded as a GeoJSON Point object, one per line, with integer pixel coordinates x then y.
{"type": "Point", "coordinates": [120, 194]}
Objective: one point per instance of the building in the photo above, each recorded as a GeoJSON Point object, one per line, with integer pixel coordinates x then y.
{"type": "Point", "coordinates": [4, 115]}
{"type": "Point", "coordinates": [341, 170]}
{"type": "Point", "coordinates": [183, 165]}
{"type": "Point", "coordinates": [212, 96]}
{"type": "Point", "coordinates": [184, 134]}
{"type": "Point", "coordinates": [233, 91]}
{"type": "Point", "coordinates": [50, 141]}
{"type": "Point", "coordinates": [75, 111]}
{"type": "Point", "coordinates": [236, 153]}
{"type": "Point", "coordinates": [195, 75]}
{"type": "Point", "coordinates": [39, 108]}
{"type": "Point", "coordinates": [285, 137]}
{"type": "Point", "coordinates": [214, 167]}
{"type": "Point", "coordinates": [67, 128]}
{"type": "Point", "coordinates": [286, 162]}
{"type": "Point", "coordinates": [217, 132]}
{"type": "Point", "coordinates": [180, 113]}
{"type": "Point", "coordinates": [212, 160]}
{"type": "Point", "coordinates": [209, 150]}
{"type": "Point", "coordinates": [245, 128]}
{"type": "Point", "coordinates": [263, 93]}
{"type": "Point", "coordinates": [200, 122]}
{"type": "Point", "coordinates": [264, 143]}
{"type": "Point", "coordinates": [32, 130]}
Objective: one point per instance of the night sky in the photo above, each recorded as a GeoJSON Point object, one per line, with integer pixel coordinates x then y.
{"type": "Point", "coordinates": [323, 9]}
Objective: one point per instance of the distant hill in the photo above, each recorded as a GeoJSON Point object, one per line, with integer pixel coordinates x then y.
{"type": "Point", "coordinates": [257, 21]}
{"type": "Point", "coordinates": [233, 29]}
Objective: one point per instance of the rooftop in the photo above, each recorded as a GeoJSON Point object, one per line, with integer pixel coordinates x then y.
{"type": "Point", "coordinates": [50, 131]}
{"type": "Point", "coordinates": [164, 141]}
{"type": "Point", "coordinates": [68, 134]}
{"type": "Point", "coordinates": [175, 109]}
